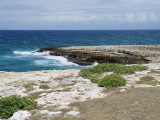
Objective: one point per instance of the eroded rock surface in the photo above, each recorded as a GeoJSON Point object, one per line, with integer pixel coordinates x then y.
{"type": "Point", "coordinates": [64, 88]}
{"type": "Point", "coordinates": [103, 54]}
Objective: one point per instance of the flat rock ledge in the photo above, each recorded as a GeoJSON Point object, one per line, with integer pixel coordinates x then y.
{"type": "Point", "coordinates": [87, 55]}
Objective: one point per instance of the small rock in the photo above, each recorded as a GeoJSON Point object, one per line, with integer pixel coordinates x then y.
{"type": "Point", "coordinates": [43, 94]}
{"type": "Point", "coordinates": [73, 113]}
{"type": "Point", "coordinates": [142, 72]}
{"type": "Point", "coordinates": [20, 115]}
{"type": "Point", "coordinates": [44, 112]}
{"type": "Point", "coordinates": [54, 113]}
{"type": "Point", "coordinates": [122, 90]}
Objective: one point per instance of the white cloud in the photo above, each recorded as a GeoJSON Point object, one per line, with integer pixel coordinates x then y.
{"type": "Point", "coordinates": [108, 12]}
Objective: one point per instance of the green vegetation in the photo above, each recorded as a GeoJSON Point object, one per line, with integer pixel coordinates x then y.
{"type": "Point", "coordinates": [95, 74]}
{"type": "Point", "coordinates": [116, 68]}
{"type": "Point", "coordinates": [44, 86]}
{"type": "Point", "coordinates": [29, 86]}
{"type": "Point", "coordinates": [12, 104]}
{"type": "Point", "coordinates": [148, 80]}
{"type": "Point", "coordinates": [34, 95]}
{"type": "Point", "coordinates": [114, 80]}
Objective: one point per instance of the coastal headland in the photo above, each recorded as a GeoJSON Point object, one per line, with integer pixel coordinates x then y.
{"type": "Point", "coordinates": [66, 95]}
{"type": "Point", "coordinates": [124, 54]}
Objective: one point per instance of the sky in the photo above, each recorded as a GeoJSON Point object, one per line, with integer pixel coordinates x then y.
{"type": "Point", "coordinates": [79, 14]}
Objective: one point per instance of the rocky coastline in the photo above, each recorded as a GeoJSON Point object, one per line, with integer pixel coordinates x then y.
{"type": "Point", "coordinates": [66, 92]}
{"type": "Point", "coordinates": [87, 55]}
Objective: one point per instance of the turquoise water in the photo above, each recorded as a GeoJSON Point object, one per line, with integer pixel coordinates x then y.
{"type": "Point", "coordinates": [17, 48]}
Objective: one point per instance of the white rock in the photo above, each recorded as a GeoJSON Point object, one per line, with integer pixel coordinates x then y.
{"type": "Point", "coordinates": [61, 92]}
{"type": "Point", "coordinates": [82, 90]}
{"type": "Point", "coordinates": [142, 72]}
{"type": "Point", "coordinates": [44, 112]}
{"type": "Point", "coordinates": [43, 94]}
{"type": "Point", "coordinates": [122, 90]}
{"type": "Point", "coordinates": [20, 115]}
{"type": "Point", "coordinates": [51, 113]}
{"type": "Point", "coordinates": [73, 113]}
{"type": "Point", "coordinates": [55, 113]}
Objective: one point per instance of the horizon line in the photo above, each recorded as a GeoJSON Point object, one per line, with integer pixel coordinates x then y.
{"type": "Point", "coordinates": [74, 29]}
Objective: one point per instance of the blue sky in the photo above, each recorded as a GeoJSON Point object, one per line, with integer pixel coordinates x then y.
{"type": "Point", "coordinates": [79, 14]}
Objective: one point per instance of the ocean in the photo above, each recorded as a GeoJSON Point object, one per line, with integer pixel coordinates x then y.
{"type": "Point", "coordinates": [17, 48]}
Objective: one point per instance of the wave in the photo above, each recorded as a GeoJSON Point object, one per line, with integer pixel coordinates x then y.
{"type": "Point", "coordinates": [30, 53]}
{"type": "Point", "coordinates": [62, 61]}
{"type": "Point", "coordinates": [53, 63]}
{"type": "Point", "coordinates": [44, 59]}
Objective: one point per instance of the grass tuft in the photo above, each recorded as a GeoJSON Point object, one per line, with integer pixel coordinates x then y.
{"type": "Point", "coordinates": [12, 104]}
{"type": "Point", "coordinates": [148, 80]}
{"type": "Point", "coordinates": [29, 86]}
{"type": "Point", "coordinates": [34, 95]}
{"type": "Point", "coordinates": [44, 86]}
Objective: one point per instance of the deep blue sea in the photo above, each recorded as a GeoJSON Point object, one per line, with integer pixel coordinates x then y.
{"type": "Point", "coordinates": [17, 48]}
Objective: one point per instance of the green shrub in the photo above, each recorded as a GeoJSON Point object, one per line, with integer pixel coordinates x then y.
{"type": "Point", "coordinates": [116, 68]}
{"type": "Point", "coordinates": [34, 95]}
{"type": "Point", "coordinates": [12, 104]}
{"type": "Point", "coordinates": [114, 80]}
{"type": "Point", "coordinates": [44, 86]}
{"type": "Point", "coordinates": [95, 74]}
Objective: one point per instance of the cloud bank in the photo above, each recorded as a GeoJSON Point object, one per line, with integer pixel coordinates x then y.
{"type": "Point", "coordinates": [83, 14]}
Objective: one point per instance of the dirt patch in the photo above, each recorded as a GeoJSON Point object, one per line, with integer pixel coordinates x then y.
{"type": "Point", "coordinates": [133, 104]}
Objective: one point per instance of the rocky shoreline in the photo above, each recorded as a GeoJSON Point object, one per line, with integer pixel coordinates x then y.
{"type": "Point", "coordinates": [65, 88]}
{"type": "Point", "coordinates": [87, 55]}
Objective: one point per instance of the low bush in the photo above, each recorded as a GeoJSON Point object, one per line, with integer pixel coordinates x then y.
{"type": "Point", "coordinates": [34, 95]}
{"type": "Point", "coordinates": [29, 86]}
{"type": "Point", "coordinates": [114, 80]}
{"type": "Point", "coordinates": [12, 104]}
{"type": "Point", "coordinates": [44, 86]}
{"type": "Point", "coordinates": [95, 74]}
{"type": "Point", "coordinates": [116, 68]}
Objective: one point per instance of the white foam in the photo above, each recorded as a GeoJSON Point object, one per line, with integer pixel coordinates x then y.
{"type": "Point", "coordinates": [54, 61]}
{"type": "Point", "coordinates": [60, 60]}
{"type": "Point", "coordinates": [30, 53]}
{"type": "Point", "coordinates": [41, 62]}
{"type": "Point", "coordinates": [46, 59]}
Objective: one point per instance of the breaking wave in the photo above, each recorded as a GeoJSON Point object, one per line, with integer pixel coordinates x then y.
{"type": "Point", "coordinates": [44, 59]}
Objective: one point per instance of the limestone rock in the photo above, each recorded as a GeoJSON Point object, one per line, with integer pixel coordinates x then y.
{"type": "Point", "coordinates": [21, 115]}
{"type": "Point", "coordinates": [90, 55]}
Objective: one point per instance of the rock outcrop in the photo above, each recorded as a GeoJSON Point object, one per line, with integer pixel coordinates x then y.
{"type": "Point", "coordinates": [89, 55]}
{"type": "Point", "coordinates": [21, 115]}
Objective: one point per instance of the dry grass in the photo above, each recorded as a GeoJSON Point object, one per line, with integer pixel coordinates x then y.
{"type": "Point", "coordinates": [134, 104]}
{"type": "Point", "coordinates": [44, 86]}
{"type": "Point", "coordinates": [59, 78]}
{"type": "Point", "coordinates": [148, 80]}
{"type": "Point", "coordinates": [29, 86]}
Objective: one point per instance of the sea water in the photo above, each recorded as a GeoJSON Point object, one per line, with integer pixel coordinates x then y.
{"type": "Point", "coordinates": [18, 48]}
